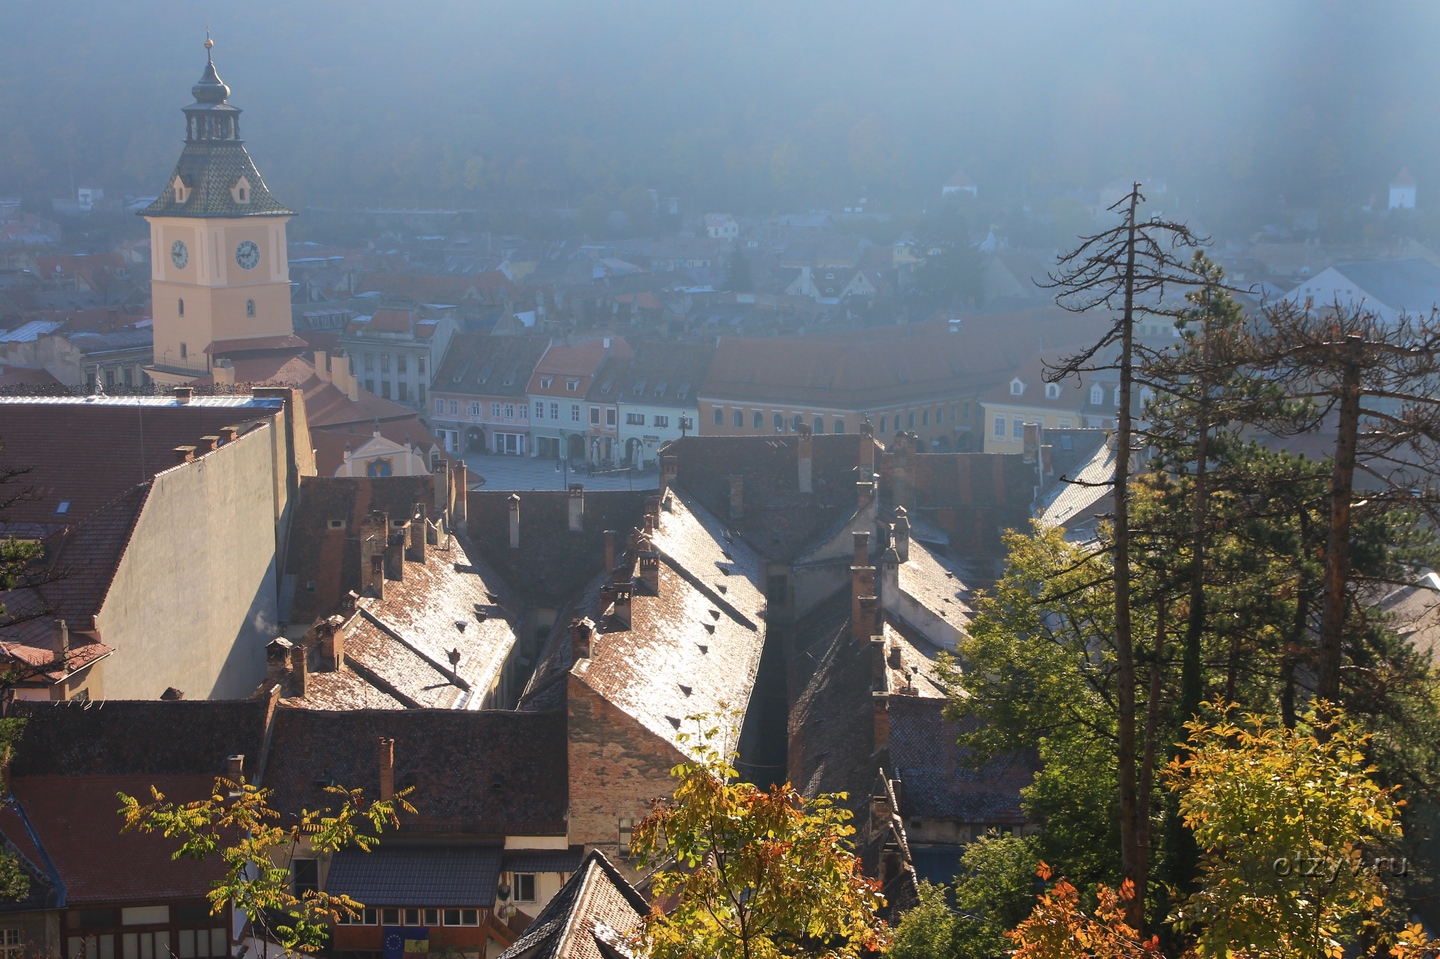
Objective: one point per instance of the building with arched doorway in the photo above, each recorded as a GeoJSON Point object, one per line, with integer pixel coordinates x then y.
{"type": "Point", "coordinates": [478, 400]}
{"type": "Point", "coordinates": [561, 416]}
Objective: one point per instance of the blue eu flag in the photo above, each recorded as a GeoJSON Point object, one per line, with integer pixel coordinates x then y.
{"type": "Point", "coordinates": [394, 943]}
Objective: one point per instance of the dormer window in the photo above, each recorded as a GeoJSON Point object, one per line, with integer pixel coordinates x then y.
{"type": "Point", "coordinates": [1017, 388]}
{"type": "Point", "coordinates": [240, 192]}
{"type": "Point", "coordinates": [1097, 395]}
{"type": "Point", "coordinates": [1052, 391]}
{"type": "Point", "coordinates": [545, 382]}
{"type": "Point", "coordinates": [572, 384]}
{"type": "Point", "coordinates": [182, 192]}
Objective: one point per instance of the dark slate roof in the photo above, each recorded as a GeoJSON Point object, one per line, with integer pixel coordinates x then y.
{"type": "Point", "coordinates": [663, 371]}
{"type": "Point", "coordinates": [137, 737]}
{"type": "Point", "coordinates": [779, 520]}
{"type": "Point", "coordinates": [483, 365]}
{"type": "Point", "coordinates": [438, 876]}
{"type": "Point", "coordinates": [552, 563]}
{"type": "Point", "coordinates": [543, 860]}
{"type": "Point", "coordinates": [937, 783]}
{"type": "Point", "coordinates": [586, 919]}
{"type": "Point", "coordinates": [487, 772]}
{"type": "Point", "coordinates": [1411, 285]}
{"type": "Point", "coordinates": [210, 169]}
{"type": "Point", "coordinates": [330, 557]}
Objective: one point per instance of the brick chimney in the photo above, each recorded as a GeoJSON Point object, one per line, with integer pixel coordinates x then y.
{"type": "Point", "coordinates": [612, 537]}
{"type": "Point", "coordinates": [652, 512]}
{"type": "Point", "coordinates": [890, 580]}
{"type": "Point", "coordinates": [862, 603]}
{"type": "Point", "coordinates": [582, 633]}
{"type": "Point", "coordinates": [386, 754]}
{"type": "Point", "coordinates": [622, 593]}
{"type": "Point", "coordinates": [902, 534]}
{"type": "Point", "coordinates": [867, 449]}
{"type": "Point", "coordinates": [332, 641]}
{"type": "Point", "coordinates": [861, 541]}
{"type": "Point", "coordinates": [300, 668]}
{"type": "Point", "coordinates": [418, 529]}
{"type": "Point", "coordinates": [374, 535]}
{"type": "Point", "coordinates": [514, 503]}
{"type": "Point", "coordinates": [277, 660]}
{"type": "Point", "coordinates": [881, 734]}
{"type": "Point", "coordinates": [879, 674]}
{"type": "Point", "coordinates": [235, 767]}
{"type": "Point", "coordinates": [395, 551]}
{"type": "Point", "coordinates": [649, 566]}
{"type": "Point", "coordinates": [460, 478]}
{"type": "Point", "coordinates": [184, 454]}
{"type": "Point", "coordinates": [60, 630]}
{"type": "Point", "coordinates": [182, 394]}
{"type": "Point", "coordinates": [223, 373]}
{"type": "Point", "coordinates": [864, 493]}
{"type": "Point", "coordinates": [577, 507]}
{"type": "Point", "coordinates": [805, 458]}
{"type": "Point", "coordinates": [904, 468]}
{"type": "Point", "coordinates": [669, 472]}
{"type": "Point", "coordinates": [228, 434]}
{"type": "Point", "coordinates": [737, 497]}
{"type": "Point", "coordinates": [440, 478]}
{"type": "Point", "coordinates": [207, 444]}
{"type": "Point", "coordinates": [1031, 445]}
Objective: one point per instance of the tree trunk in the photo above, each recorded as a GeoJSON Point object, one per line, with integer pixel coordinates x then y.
{"type": "Point", "coordinates": [1337, 549]}
{"type": "Point", "coordinates": [1132, 851]}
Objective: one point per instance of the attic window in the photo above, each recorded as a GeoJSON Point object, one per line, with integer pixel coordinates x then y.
{"type": "Point", "coordinates": [1097, 395]}
{"type": "Point", "coordinates": [1017, 388]}
{"type": "Point", "coordinates": [572, 384]}
{"type": "Point", "coordinates": [63, 508]}
{"type": "Point", "coordinates": [639, 387]}
{"type": "Point", "coordinates": [683, 391]}
{"type": "Point", "coordinates": [687, 690]}
{"type": "Point", "coordinates": [1052, 391]}
{"type": "Point", "coordinates": [311, 586]}
{"type": "Point", "coordinates": [337, 524]}
{"type": "Point", "coordinates": [673, 721]}
{"type": "Point", "coordinates": [182, 192]}
{"type": "Point", "coordinates": [660, 388]}
{"type": "Point", "coordinates": [545, 382]}
{"type": "Point", "coordinates": [240, 192]}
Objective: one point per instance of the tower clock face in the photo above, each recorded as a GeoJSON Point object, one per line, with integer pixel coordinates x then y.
{"type": "Point", "coordinates": [247, 254]}
{"type": "Point", "coordinates": [179, 254]}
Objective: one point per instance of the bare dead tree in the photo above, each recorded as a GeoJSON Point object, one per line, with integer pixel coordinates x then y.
{"type": "Point", "coordinates": [1128, 270]}
{"type": "Point", "coordinates": [1377, 384]}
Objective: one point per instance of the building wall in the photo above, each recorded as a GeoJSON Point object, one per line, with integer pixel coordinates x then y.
{"type": "Point", "coordinates": [214, 287]}
{"type": "Point", "coordinates": [193, 601]}
{"type": "Point", "coordinates": [461, 419]}
{"type": "Point", "coordinates": [616, 768]}
{"type": "Point", "coordinates": [652, 437]}
{"type": "Point", "coordinates": [942, 424]}
{"type": "Point", "coordinates": [39, 931]}
{"type": "Point", "coordinates": [1011, 443]}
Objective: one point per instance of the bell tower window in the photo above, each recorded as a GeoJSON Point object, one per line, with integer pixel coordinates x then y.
{"type": "Point", "coordinates": [180, 307]}
{"type": "Point", "coordinates": [240, 192]}
{"type": "Point", "coordinates": [249, 307]}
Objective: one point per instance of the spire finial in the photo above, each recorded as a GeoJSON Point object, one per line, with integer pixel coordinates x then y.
{"type": "Point", "coordinates": [209, 44]}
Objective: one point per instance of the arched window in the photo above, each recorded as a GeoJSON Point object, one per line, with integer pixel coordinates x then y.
{"type": "Point", "coordinates": [1052, 391]}
{"type": "Point", "coordinates": [249, 307]}
{"type": "Point", "coordinates": [818, 426]}
{"type": "Point", "coordinates": [1017, 388]}
{"type": "Point", "coordinates": [910, 421]}
{"type": "Point", "coordinates": [779, 423]}
{"type": "Point", "coordinates": [883, 424]}
{"type": "Point", "coordinates": [180, 308]}
{"type": "Point", "coordinates": [925, 418]}
{"type": "Point", "coordinates": [795, 422]}
{"type": "Point", "coordinates": [839, 426]}
{"type": "Point", "coordinates": [1097, 395]}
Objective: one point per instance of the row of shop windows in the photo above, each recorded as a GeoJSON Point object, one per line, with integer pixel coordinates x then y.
{"type": "Point", "coordinates": [188, 944]}
{"type": "Point", "coordinates": [780, 422]}
{"type": "Point", "coordinates": [413, 917]}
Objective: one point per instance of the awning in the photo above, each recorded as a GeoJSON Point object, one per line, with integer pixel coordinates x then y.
{"type": "Point", "coordinates": [435, 876]}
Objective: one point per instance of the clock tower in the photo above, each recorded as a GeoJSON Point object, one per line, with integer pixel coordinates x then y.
{"type": "Point", "coordinates": [219, 273]}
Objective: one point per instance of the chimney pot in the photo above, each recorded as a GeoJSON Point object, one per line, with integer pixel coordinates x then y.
{"type": "Point", "coordinates": [881, 732]}
{"type": "Point", "coordinates": [300, 668]}
{"type": "Point", "coordinates": [582, 632]}
{"type": "Point", "coordinates": [61, 631]}
{"type": "Point", "coordinates": [461, 511]}
{"type": "Point", "coordinates": [332, 641]}
{"type": "Point", "coordinates": [649, 566]}
{"type": "Point", "coordinates": [386, 755]}
{"type": "Point", "coordinates": [418, 529]}
{"type": "Point", "coordinates": [902, 534]}
{"type": "Point", "coordinates": [612, 537]}
{"type": "Point", "coordinates": [374, 536]}
{"type": "Point", "coordinates": [184, 454]}
{"type": "Point", "coordinates": [172, 695]}
{"type": "Point", "coordinates": [861, 540]}
{"type": "Point", "coordinates": [208, 444]}
{"type": "Point", "coordinates": [228, 434]}
{"type": "Point", "coordinates": [277, 660]}
{"type": "Point", "coordinates": [862, 603]}
{"type": "Point", "coordinates": [577, 507]}
{"type": "Point", "coordinates": [804, 455]}
{"type": "Point", "coordinates": [235, 768]}
{"type": "Point", "coordinates": [514, 504]}
{"type": "Point", "coordinates": [669, 472]}
{"type": "Point", "coordinates": [183, 394]}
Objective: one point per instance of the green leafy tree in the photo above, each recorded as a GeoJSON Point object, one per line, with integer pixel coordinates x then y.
{"type": "Point", "coordinates": [1296, 837]}
{"type": "Point", "coordinates": [236, 823]}
{"type": "Point", "coordinates": [747, 873]}
{"type": "Point", "coordinates": [994, 892]}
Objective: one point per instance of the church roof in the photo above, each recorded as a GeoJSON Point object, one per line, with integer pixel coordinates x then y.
{"type": "Point", "coordinates": [209, 171]}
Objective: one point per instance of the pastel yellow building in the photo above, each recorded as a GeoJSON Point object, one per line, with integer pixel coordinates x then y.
{"type": "Point", "coordinates": [1027, 398]}
{"type": "Point", "coordinates": [220, 277]}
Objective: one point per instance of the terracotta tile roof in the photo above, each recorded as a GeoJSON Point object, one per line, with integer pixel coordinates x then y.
{"type": "Point", "coordinates": [77, 822]}
{"type": "Point", "coordinates": [940, 584]}
{"type": "Point", "coordinates": [481, 365]}
{"type": "Point", "coordinates": [14, 376]}
{"type": "Point", "coordinates": [143, 738]}
{"type": "Point", "coordinates": [588, 918]}
{"type": "Point", "coordinates": [327, 406]}
{"type": "Point", "coordinates": [1078, 497]}
{"type": "Point", "coordinates": [581, 360]}
{"type": "Point", "coordinates": [284, 341]}
{"type": "Point", "coordinates": [330, 556]}
{"type": "Point", "coordinates": [552, 564]}
{"type": "Point", "coordinates": [665, 373]}
{"type": "Point", "coordinates": [210, 170]}
{"type": "Point", "coordinates": [331, 444]}
{"type": "Point", "coordinates": [342, 688]}
{"type": "Point", "coordinates": [492, 772]}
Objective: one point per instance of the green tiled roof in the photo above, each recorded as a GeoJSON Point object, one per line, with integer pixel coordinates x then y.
{"type": "Point", "coordinates": [209, 169]}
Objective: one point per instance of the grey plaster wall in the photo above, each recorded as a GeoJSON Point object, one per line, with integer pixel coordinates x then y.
{"type": "Point", "coordinates": [193, 602]}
